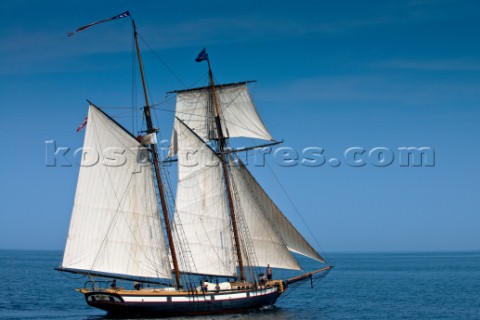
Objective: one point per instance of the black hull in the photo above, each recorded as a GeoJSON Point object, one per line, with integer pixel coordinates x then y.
{"type": "Point", "coordinates": [157, 305]}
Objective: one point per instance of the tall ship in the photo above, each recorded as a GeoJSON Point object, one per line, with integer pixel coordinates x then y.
{"type": "Point", "coordinates": [211, 249]}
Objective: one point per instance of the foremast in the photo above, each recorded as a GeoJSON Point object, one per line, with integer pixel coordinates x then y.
{"type": "Point", "coordinates": [223, 156]}
{"type": "Point", "coordinates": [153, 148]}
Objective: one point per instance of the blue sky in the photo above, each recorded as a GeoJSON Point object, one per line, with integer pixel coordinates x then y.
{"type": "Point", "coordinates": [330, 75]}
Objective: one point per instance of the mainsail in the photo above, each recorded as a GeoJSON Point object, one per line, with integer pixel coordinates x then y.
{"type": "Point", "coordinates": [201, 207]}
{"type": "Point", "coordinates": [239, 117]}
{"type": "Point", "coordinates": [115, 226]}
{"type": "Point", "coordinates": [270, 231]}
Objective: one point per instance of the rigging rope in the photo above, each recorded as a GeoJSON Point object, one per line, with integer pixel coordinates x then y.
{"type": "Point", "coordinates": [162, 61]}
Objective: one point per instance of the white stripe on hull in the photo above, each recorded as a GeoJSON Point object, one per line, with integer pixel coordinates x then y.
{"type": "Point", "coordinates": [144, 299]}
{"type": "Point", "coordinates": [198, 297]}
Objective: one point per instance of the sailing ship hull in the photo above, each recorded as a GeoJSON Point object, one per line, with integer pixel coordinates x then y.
{"type": "Point", "coordinates": [131, 303]}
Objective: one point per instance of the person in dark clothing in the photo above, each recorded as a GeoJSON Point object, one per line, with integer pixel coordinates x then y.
{"type": "Point", "coordinates": [268, 272]}
{"type": "Point", "coordinates": [204, 286]}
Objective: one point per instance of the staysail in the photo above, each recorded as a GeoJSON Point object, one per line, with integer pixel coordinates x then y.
{"type": "Point", "coordinates": [239, 117]}
{"type": "Point", "coordinates": [201, 207]}
{"type": "Point", "coordinates": [115, 226]}
{"type": "Point", "coordinates": [272, 235]}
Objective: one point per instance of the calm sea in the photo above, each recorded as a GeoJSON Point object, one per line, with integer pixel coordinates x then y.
{"type": "Point", "coordinates": [362, 286]}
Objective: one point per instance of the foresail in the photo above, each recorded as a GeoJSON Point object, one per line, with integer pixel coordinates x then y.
{"type": "Point", "coordinates": [238, 113]}
{"type": "Point", "coordinates": [201, 208]}
{"type": "Point", "coordinates": [115, 226]}
{"type": "Point", "coordinates": [271, 232]}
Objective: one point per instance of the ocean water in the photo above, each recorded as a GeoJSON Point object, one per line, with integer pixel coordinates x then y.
{"type": "Point", "coordinates": [361, 286]}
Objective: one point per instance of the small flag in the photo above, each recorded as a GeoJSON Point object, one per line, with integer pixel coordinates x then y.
{"type": "Point", "coordinates": [122, 15]}
{"type": "Point", "coordinates": [82, 125]}
{"type": "Point", "coordinates": [203, 55]}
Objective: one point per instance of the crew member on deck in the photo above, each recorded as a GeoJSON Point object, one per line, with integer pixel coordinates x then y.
{"type": "Point", "coordinates": [262, 279]}
{"type": "Point", "coordinates": [268, 272]}
{"type": "Point", "coordinates": [204, 286]}
{"type": "Point", "coordinates": [113, 285]}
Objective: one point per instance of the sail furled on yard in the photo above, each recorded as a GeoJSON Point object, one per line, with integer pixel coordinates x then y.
{"type": "Point", "coordinates": [239, 117]}
{"type": "Point", "coordinates": [201, 207]}
{"type": "Point", "coordinates": [272, 235]}
{"type": "Point", "coordinates": [115, 226]}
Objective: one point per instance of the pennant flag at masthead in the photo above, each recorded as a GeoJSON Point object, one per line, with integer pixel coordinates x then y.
{"type": "Point", "coordinates": [84, 123]}
{"type": "Point", "coordinates": [122, 15]}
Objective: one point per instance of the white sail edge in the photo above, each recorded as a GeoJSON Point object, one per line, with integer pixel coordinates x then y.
{"type": "Point", "coordinates": [303, 254]}
{"type": "Point", "coordinates": [115, 226]}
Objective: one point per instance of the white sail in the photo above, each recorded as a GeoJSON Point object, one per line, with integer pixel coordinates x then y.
{"type": "Point", "coordinates": [201, 207]}
{"type": "Point", "coordinates": [238, 114]}
{"type": "Point", "coordinates": [270, 231]}
{"type": "Point", "coordinates": [115, 225]}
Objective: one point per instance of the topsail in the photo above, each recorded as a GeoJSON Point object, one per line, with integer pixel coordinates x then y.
{"type": "Point", "coordinates": [239, 117]}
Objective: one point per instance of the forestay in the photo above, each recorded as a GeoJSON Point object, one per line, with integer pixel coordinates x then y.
{"type": "Point", "coordinates": [115, 226]}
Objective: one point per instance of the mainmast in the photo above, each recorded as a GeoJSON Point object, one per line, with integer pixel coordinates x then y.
{"type": "Point", "coordinates": [153, 149]}
{"type": "Point", "coordinates": [223, 157]}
